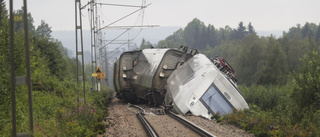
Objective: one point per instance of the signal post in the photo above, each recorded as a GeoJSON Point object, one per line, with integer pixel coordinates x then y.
{"type": "Point", "coordinates": [99, 74]}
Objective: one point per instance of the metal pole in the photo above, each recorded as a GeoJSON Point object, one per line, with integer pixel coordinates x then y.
{"type": "Point", "coordinates": [95, 40]}
{"type": "Point", "coordinates": [107, 67]}
{"type": "Point", "coordinates": [13, 82]}
{"type": "Point", "coordinates": [26, 35]}
{"type": "Point", "coordinates": [83, 75]}
{"type": "Point", "coordinates": [77, 51]}
{"type": "Point", "coordinates": [92, 44]}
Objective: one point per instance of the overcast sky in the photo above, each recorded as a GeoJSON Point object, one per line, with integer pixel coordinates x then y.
{"type": "Point", "coordinates": [265, 15]}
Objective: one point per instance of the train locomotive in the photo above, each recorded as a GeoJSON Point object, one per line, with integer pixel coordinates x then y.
{"type": "Point", "coordinates": [180, 79]}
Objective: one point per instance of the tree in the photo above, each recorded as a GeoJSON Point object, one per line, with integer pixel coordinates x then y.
{"type": "Point", "coordinates": [20, 25]}
{"type": "Point", "coordinates": [3, 11]}
{"type": "Point", "coordinates": [224, 34]}
{"type": "Point", "coordinates": [240, 32]}
{"type": "Point", "coordinates": [293, 32]}
{"type": "Point", "coordinates": [306, 30]}
{"type": "Point", "coordinates": [176, 36]}
{"type": "Point", "coordinates": [191, 35]}
{"type": "Point", "coordinates": [296, 50]}
{"type": "Point", "coordinates": [306, 91]}
{"type": "Point", "coordinates": [145, 44]}
{"type": "Point", "coordinates": [318, 34]}
{"type": "Point", "coordinates": [44, 30]}
{"type": "Point", "coordinates": [212, 39]}
{"type": "Point", "coordinates": [251, 29]}
{"type": "Point", "coordinates": [273, 70]}
{"type": "Point", "coordinates": [251, 52]}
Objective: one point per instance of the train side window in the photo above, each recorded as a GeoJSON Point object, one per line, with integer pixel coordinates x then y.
{"type": "Point", "coordinates": [179, 64]}
{"type": "Point", "coordinates": [135, 62]}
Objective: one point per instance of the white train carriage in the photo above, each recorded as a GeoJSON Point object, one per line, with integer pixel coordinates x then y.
{"type": "Point", "coordinates": [200, 87]}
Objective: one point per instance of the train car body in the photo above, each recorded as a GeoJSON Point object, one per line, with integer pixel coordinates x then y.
{"type": "Point", "coordinates": [201, 88]}
{"type": "Point", "coordinates": [177, 79]}
{"type": "Point", "coordinates": [142, 75]}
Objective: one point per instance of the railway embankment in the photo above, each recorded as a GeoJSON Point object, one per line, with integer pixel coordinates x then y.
{"type": "Point", "coordinates": [122, 121]}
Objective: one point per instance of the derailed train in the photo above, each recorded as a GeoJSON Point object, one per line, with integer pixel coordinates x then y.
{"type": "Point", "coordinates": [179, 78]}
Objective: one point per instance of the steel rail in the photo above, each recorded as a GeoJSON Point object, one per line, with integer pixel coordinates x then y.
{"type": "Point", "coordinates": [190, 125]}
{"type": "Point", "coordinates": [146, 125]}
{"type": "Point", "coordinates": [138, 107]}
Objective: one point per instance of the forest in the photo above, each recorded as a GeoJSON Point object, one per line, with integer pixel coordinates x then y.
{"type": "Point", "coordinates": [278, 77]}
{"type": "Point", "coordinates": [55, 108]}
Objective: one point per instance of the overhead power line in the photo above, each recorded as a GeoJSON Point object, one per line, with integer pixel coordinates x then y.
{"type": "Point", "coordinates": [142, 7]}
{"type": "Point", "coordinates": [122, 5]}
{"type": "Point", "coordinates": [127, 27]}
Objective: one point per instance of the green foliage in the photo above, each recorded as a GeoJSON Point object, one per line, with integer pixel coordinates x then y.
{"type": "Point", "coordinates": [145, 44]}
{"type": "Point", "coordinates": [20, 25]}
{"type": "Point", "coordinates": [56, 112]}
{"type": "Point", "coordinates": [307, 82]}
{"type": "Point", "coordinates": [265, 97]}
{"type": "Point", "coordinates": [192, 33]}
{"type": "Point", "coordinates": [51, 50]}
{"type": "Point", "coordinates": [251, 29]}
{"type": "Point", "coordinates": [44, 30]}
{"type": "Point", "coordinates": [256, 59]}
{"type": "Point", "coordinates": [317, 35]}
{"type": "Point", "coordinates": [273, 113]}
{"type": "Point", "coordinates": [172, 41]}
{"type": "Point", "coordinates": [197, 35]}
{"type": "Point", "coordinates": [240, 32]}
{"type": "Point", "coordinates": [287, 110]}
{"type": "Point", "coordinates": [53, 84]}
{"type": "Point", "coordinates": [273, 69]}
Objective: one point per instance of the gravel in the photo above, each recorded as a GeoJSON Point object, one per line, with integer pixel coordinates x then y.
{"type": "Point", "coordinates": [122, 122]}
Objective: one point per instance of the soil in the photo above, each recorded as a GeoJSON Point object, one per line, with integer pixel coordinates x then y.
{"type": "Point", "coordinates": [122, 122]}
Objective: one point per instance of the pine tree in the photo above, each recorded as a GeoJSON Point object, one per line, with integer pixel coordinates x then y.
{"type": "Point", "coordinates": [3, 12]}
{"type": "Point", "coordinates": [251, 29]}
{"type": "Point", "coordinates": [240, 32]}
{"type": "Point", "coordinates": [318, 35]}
{"type": "Point", "coordinates": [44, 30]}
{"type": "Point", "coordinates": [306, 30]}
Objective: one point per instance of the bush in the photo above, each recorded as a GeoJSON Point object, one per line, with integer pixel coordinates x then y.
{"type": "Point", "coordinates": [306, 90]}
{"type": "Point", "coordinates": [266, 97]}
{"type": "Point", "coordinates": [274, 112]}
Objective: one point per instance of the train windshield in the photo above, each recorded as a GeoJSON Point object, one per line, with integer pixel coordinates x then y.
{"type": "Point", "coordinates": [215, 102]}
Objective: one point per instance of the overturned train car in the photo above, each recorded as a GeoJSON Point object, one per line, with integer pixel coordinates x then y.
{"type": "Point", "coordinates": [187, 81]}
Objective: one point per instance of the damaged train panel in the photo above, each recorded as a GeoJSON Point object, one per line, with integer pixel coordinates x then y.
{"type": "Point", "coordinates": [199, 87]}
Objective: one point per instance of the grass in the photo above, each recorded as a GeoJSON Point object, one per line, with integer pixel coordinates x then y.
{"type": "Point", "coordinates": [273, 113]}
{"type": "Point", "coordinates": [60, 114]}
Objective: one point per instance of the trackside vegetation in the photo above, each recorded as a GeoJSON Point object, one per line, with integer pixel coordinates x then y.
{"type": "Point", "coordinates": [279, 76]}
{"type": "Point", "coordinates": [55, 108]}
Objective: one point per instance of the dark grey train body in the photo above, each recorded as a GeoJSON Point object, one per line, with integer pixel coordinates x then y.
{"type": "Point", "coordinates": [142, 75]}
{"type": "Point", "coordinates": [171, 77]}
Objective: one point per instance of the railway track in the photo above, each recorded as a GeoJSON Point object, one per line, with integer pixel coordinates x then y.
{"type": "Point", "coordinates": [200, 131]}
{"type": "Point", "coordinates": [151, 132]}
{"type": "Point", "coordinates": [146, 125]}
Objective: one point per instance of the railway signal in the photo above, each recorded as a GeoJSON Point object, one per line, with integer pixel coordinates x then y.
{"type": "Point", "coordinates": [99, 74]}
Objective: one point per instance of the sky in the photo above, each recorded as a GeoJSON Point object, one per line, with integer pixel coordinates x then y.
{"type": "Point", "coordinates": [265, 15]}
